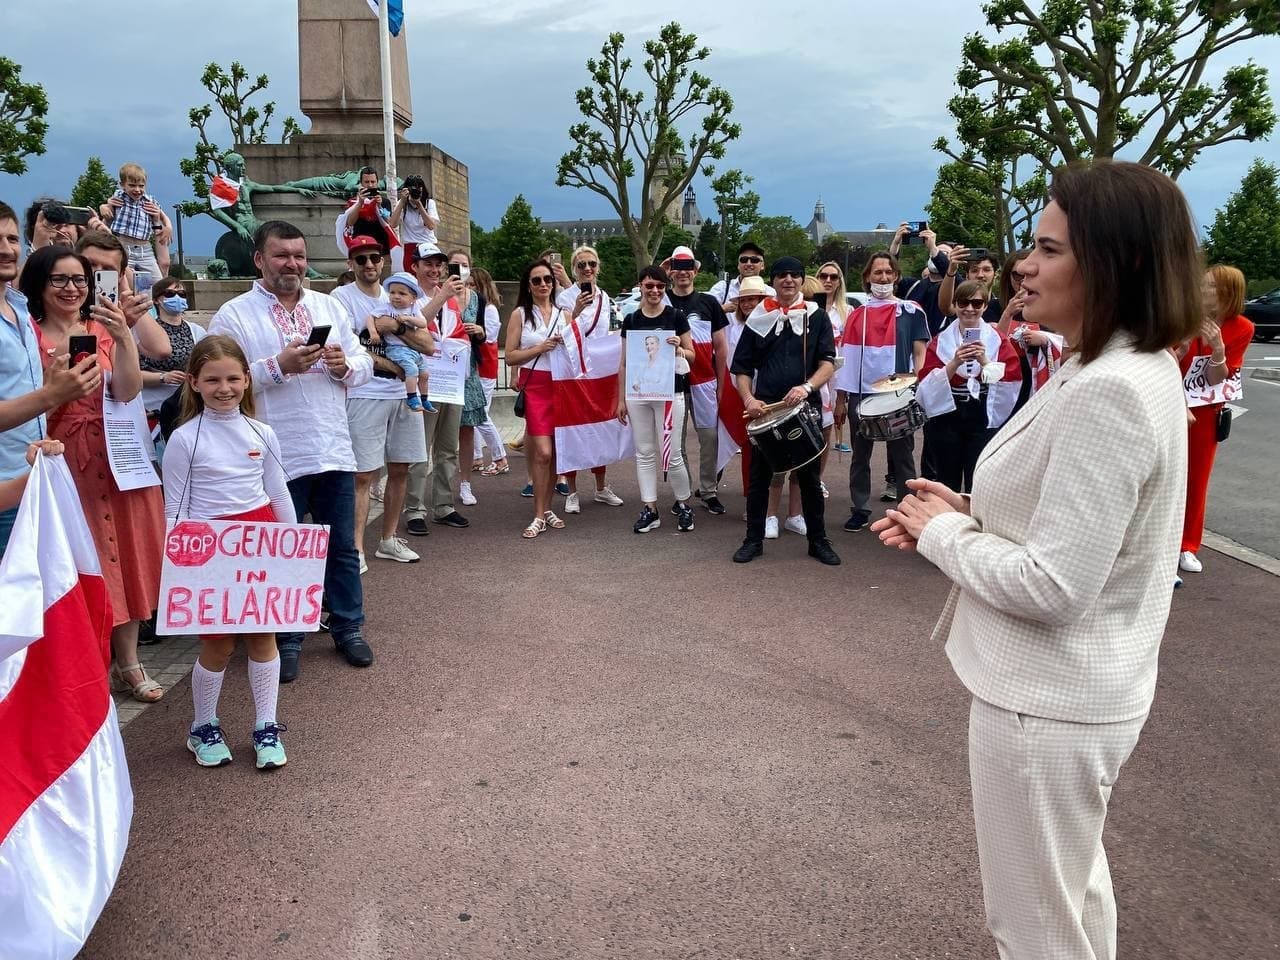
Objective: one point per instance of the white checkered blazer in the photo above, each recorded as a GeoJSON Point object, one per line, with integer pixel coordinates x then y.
{"type": "Point", "coordinates": [1064, 571]}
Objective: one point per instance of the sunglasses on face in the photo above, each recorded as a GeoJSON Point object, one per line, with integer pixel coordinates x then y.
{"type": "Point", "coordinates": [60, 281]}
{"type": "Point", "coordinates": [833, 277]}
{"type": "Point", "coordinates": [751, 259]}
{"type": "Point", "coordinates": [363, 258]}
{"type": "Point", "coordinates": [542, 279]}
{"type": "Point", "coordinates": [797, 274]}
{"type": "Point", "coordinates": [654, 286]}
{"type": "Point", "coordinates": [587, 264]}
{"type": "Point", "coordinates": [977, 303]}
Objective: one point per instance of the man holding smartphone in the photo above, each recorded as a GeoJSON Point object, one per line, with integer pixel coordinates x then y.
{"type": "Point", "coordinates": [925, 290]}
{"type": "Point", "coordinates": [368, 215]}
{"type": "Point", "coordinates": [301, 392]}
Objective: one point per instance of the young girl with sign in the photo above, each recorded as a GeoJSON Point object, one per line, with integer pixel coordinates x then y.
{"type": "Point", "coordinates": [222, 465]}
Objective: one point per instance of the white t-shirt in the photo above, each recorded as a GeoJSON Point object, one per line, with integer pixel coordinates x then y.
{"type": "Point", "coordinates": [568, 298]}
{"type": "Point", "coordinates": [223, 464]}
{"type": "Point", "coordinates": [413, 229]}
{"type": "Point", "coordinates": [360, 306]}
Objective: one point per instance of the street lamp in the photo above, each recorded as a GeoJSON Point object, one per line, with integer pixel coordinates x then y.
{"type": "Point", "coordinates": [725, 207]}
{"type": "Point", "coordinates": [182, 269]}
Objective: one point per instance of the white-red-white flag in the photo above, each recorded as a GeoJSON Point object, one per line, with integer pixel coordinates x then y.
{"type": "Point", "coordinates": [223, 192]}
{"type": "Point", "coordinates": [584, 381]}
{"type": "Point", "coordinates": [65, 799]}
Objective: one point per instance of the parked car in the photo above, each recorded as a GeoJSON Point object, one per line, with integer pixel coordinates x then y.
{"type": "Point", "coordinates": [627, 303]}
{"type": "Point", "coordinates": [1264, 311]}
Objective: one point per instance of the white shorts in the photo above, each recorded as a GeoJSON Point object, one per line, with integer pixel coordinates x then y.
{"type": "Point", "coordinates": [385, 431]}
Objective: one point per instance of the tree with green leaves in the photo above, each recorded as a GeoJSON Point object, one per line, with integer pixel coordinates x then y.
{"type": "Point", "coordinates": [627, 139]}
{"type": "Point", "coordinates": [517, 240]}
{"type": "Point", "coordinates": [781, 237]}
{"type": "Point", "coordinates": [94, 186]}
{"type": "Point", "coordinates": [707, 247]}
{"type": "Point", "coordinates": [231, 90]}
{"type": "Point", "coordinates": [737, 203]}
{"type": "Point", "coordinates": [23, 107]}
{"type": "Point", "coordinates": [1246, 232]}
{"type": "Point", "coordinates": [833, 249]}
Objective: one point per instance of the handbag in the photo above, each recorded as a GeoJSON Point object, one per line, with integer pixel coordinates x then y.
{"type": "Point", "coordinates": [1224, 424]}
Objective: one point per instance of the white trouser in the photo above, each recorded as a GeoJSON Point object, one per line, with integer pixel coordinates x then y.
{"type": "Point", "coordinates": [646, 419]}
{"type": "Point", "coordinates": [1040, 793]}
{"type": "Point", "coordinates": [487, 435]}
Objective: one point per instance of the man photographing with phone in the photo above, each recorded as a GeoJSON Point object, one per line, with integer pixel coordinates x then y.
{"type": "Point", "coordinates": [415, 216]}
{"type": "Point", "coordinates": [368, 215]}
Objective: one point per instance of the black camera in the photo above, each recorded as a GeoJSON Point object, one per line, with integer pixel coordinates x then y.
{"type": "Point", "coordinates": [417, 187]}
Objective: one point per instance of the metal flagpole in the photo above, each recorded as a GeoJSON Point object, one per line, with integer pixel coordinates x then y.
{"type": "Point", "coordinates": [388, 123]}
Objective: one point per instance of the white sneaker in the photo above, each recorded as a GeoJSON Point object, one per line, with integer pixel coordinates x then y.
{"type": "Point", "coordinates": [396, 549]}
{"type": "Point", "coordinates": [608, 496]}
{"type": "Point", "coordinates": [1189, 562]}
{"type": "Point", "coordinates": [796, 525]}
{"type": "Point", "coordinates": [378, 490]}
{"type": "Point", "coordinates": [364, 567]}
{"type": "Point", "coordinates": [771, 528]}
{"type": "Point", "coordinates": [571, 504]}
{"type": "Point", "coordinates": [465, 495]}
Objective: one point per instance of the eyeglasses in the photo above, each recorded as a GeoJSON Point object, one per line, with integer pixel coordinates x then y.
{"type": "Point", "coordinates": [977, 303]}
{"type": "Point", "coordinates": [543, 278]}
{"type": "Point", "coordinates": [798, 274]}
{"type": "Point", "coordinates": [363, 258]}
{"type": "Point", "coordinates": [829, 276]}
{"type": "Point", "coordinates": [77, 280]}
{"type": "Point", "coordinates": [587, 264]}
{"type": "Point", "coordinates": [654, 286]}
{"type": "Point", "coordinates": [751, 259]}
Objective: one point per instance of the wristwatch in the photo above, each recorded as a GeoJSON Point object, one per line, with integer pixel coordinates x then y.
{"type": "Point", "coordinates": [809, 387]}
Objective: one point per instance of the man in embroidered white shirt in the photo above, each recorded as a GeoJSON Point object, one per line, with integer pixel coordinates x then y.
{"type": "Point", "coordinates": [301, 391]}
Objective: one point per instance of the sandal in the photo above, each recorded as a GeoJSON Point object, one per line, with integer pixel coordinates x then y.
{"type": "Point", "coordinates": [139, 691]}
{"type": "Point", "coordinates": [553, 521]}
{"type": "Point", "coordinates": [537, 526]}
{"type": "Point", "coordinates": [493, 470]}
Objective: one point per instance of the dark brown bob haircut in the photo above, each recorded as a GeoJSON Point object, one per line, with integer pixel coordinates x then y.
{"type": "Point", "coordinates": [1133, 238]}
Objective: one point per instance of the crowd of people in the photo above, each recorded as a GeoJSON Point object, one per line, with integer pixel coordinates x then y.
{"type": "Point", "coordinates": [330, 397]}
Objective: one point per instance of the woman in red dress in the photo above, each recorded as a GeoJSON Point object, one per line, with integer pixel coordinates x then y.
{"type": "Point", "coordinates": [1210, 368]}
{"type": "Point", "coordinates": [127, 526]}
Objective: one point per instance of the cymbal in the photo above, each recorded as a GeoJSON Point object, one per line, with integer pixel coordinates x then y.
{"type": "Point", "coordinates": [895, 381]}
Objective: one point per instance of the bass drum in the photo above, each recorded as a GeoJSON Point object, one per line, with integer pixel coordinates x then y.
{"type": "Point", "coordinates": [788, 438]}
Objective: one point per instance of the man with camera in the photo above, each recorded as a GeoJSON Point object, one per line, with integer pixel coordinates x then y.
{"type": "Point", "coordinates": [415, 216]}
{"type": "Point", "coordinates": [925, 290]}
{"type": "Point", "coordinates": [981, 266]}
{"type": "Point", "coordinates": [368, 214]}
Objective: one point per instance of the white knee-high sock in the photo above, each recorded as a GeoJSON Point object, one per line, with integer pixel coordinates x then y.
{"type": "Point", "coordinates": [264, 680]}
{"type": "Point", "coordinates": [205, 688]}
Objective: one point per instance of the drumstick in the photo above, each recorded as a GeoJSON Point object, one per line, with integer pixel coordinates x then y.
{"type": "Point", "coordinates": [768, 408]}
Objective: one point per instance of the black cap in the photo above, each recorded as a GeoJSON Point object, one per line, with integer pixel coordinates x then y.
{"type": "Point", "coordinates": [787, 265]}
{"type": "Point", "coordinates": [750, 245]}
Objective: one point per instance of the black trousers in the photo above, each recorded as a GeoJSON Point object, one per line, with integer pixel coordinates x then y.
{"type": "Point", "coordinates": [954, 441]}
{"type": "Point", "coordinates": [809, 478]}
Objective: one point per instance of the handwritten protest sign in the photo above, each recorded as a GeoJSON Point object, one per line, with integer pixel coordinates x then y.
{"type": "Point", "coordinates": [1200, 392]}
{"type": "Point", "coordinates": [231, 576]}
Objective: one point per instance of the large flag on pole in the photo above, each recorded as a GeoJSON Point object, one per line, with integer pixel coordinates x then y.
{"type": "Point", "coordinates": [65, 799]}
{"type": "Point", "coordinates": [584, 381]}
{"type": "Point", "coordinates": [395, 14]}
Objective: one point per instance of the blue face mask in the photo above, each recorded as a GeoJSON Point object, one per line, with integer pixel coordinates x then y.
{"type": "Point", "coordinates": [175, 304]}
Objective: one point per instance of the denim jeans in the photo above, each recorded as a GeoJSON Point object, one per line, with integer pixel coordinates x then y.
{"type": "Point", "coordinates": [330, 498]}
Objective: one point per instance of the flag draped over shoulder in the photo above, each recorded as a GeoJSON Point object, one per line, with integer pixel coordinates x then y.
{"type": "Point", "coordinates": [702, 373]}
{"type": "Point", "coordinates": [869, 344]}
{"type": "Point", "coordinates": [223, 192]}
{"type": "Point", "coordinates": [395, 14]}
{"type": "Point", "coordinates": [584, 383]}
{"type": "Point", "coordinates": [65, 799]}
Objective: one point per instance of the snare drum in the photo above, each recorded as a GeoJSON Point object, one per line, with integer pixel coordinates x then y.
{"type": "Point", "coordinates": [788, 438]}
{"type": "Point", "coordinates": [889, 416]}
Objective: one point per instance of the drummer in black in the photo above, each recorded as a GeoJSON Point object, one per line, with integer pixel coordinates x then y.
{"type": "Point", "coordinates": [786, 353]}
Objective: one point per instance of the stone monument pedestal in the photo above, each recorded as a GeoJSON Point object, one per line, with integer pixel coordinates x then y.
{"type": "Point", "coordinates": [312, 155]}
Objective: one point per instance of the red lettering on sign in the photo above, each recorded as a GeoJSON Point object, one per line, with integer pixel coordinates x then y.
{"type": "Point", "coordinates": [190, 543]}
{"type": "Point", "coordinates": [204, 608]}
{"type": "Point", "coordinates": [177, 612]}
{"type": "Point", "coordinates": [314, 593]}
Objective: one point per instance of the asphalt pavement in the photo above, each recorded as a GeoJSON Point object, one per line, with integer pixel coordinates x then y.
{"type": "Point", "coordinates": [598, 744]}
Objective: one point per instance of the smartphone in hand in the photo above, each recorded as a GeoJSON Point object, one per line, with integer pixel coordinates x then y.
{"type": "Point", "coordinates": [106, 284]}
{"type": "Point", "coordinates": [81, 346]}
{"type": "Point", "coordinates": [319, 335]}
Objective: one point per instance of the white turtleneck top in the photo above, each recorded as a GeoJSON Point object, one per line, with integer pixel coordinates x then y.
{"type": "Point", "coordinates": [223, 464]}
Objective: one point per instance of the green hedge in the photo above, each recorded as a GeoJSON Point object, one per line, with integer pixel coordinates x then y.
{"type": "Point", "coordinates": [1257, 288]}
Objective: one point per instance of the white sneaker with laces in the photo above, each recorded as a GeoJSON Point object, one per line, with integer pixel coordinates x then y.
{"type": "Point", "coordinates": [608, 496]}
{"type": "Point", "coordinates": [571, 504]}
{"type": "Point", "coordinates": [396, 548]}
{"type": "Point", "coordinates": [1189, 562]}
{"type": "Point", "coordinates": [465, 495]}
{"type": "Point", "coordinates": [771, 528]}
{"type": "Point", "coordinates": [796, 525]}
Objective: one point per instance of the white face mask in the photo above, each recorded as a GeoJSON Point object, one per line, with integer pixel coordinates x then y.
{"type": "Point", "coordinates": [882, 291]}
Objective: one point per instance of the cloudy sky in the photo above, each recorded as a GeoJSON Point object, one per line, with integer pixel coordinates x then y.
{"type": "Point", "coordinates": [836, 102]}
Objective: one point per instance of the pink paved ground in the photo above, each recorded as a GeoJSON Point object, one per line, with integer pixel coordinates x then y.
{"type": "Point", "coordinates": [605, 745]}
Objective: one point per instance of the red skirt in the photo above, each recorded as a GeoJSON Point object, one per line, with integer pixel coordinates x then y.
{"type": "Point", "coordinates": [538, 403]}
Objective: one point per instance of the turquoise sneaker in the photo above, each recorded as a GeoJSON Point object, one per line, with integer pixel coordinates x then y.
{"type": "Point", "coordinates": [208, 746]}
{"type": "Point", "coordinates": [267, 746]}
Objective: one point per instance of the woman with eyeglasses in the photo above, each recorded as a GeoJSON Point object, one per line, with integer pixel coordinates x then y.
{"type": "Point", "coordinates": [162, 378]}
{"type": "Point", "coordinates": [590, 307]}
{"type": "Point", "coordinates": [969, 384]}
{"type": "Point", "coordinates": [127, 525]}
{"type": "Point", "coordinates": [534, 329]}
{"type": "Point", "coordinates": [648, 418]}
{"type": "Point", "coordinates": [1039, 351]}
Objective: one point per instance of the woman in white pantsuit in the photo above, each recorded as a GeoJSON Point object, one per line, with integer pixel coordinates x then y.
{"type": "Point", "coordinates": [1063, 559]}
